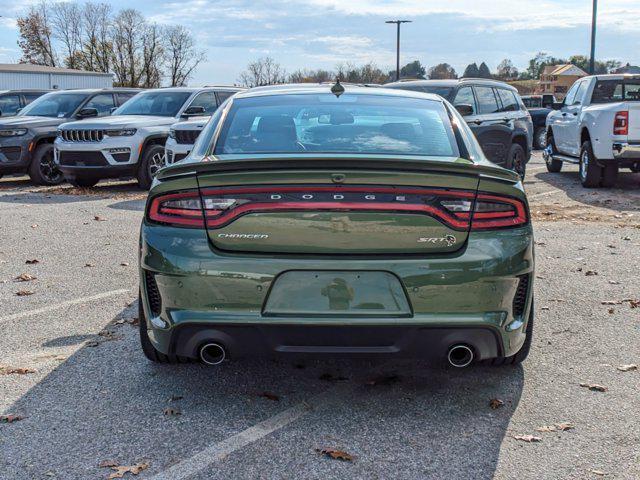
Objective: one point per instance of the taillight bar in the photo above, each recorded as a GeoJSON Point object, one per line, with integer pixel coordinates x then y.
{"type": "Point", "coordinates": [621, 123]}
{"type": "Point", "coordinates": [458, 209]}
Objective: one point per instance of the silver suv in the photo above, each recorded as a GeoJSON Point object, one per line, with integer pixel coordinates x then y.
{"type": "Point", "coordinates": [130, 143]}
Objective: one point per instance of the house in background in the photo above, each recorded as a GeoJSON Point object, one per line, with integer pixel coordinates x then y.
{"type": "Point", "coordinates": [628, 69]}
{"type": "Point", "coordinates": [557, 79]}
{"type": "Point", "coordinates": [23, 75]}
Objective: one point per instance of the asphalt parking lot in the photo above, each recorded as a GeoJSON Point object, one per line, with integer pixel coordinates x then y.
{"type": "Point", "coordinates": [86, 404]}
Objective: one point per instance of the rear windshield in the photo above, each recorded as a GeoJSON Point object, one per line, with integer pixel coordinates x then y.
{"type": "Point", "coordinates": [608, 91]}
{"type": "Point", "coordinates": [324, 123]}
{"type": "Point", "coordinates": [161, 104]}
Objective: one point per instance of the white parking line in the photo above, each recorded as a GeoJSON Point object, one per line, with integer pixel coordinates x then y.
{"type": "Point", "coordinates": [57, 306]}
{"type": "Point", "coordinates": [220, 450]}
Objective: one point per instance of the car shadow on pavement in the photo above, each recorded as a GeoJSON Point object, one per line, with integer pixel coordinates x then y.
{"type": "Point", "coordinates": [106, 402]}
{"type": "Point", "coordinates": [625, 196]}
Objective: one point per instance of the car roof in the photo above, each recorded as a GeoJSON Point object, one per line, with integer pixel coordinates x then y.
{"type": "Point", "coordinates": [311, 88]}
{"type": "Point", "coordinates": [615, 76]}
{"type": "Point", "coordinates": [89, 91]}
{"type": "Point", "coordinates": [450, 83]}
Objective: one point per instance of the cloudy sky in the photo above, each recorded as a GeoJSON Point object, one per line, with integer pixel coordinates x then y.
{"type": "Point", "coordinates": [322, 33]}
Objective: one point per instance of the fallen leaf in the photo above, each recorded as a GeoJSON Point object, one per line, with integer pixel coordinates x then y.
{"type": "Point", "coordinates": [98, 218]}
{"type": "Point", "coordinates": [15, 370]}
{"type": "Point", "coordinates": [527, 438]}
{"type": "Point", "coordinates": [134, 469]}
{"type": "Point", "coordinates": [612, 310]}
{"type": "Point", "coordinates": [614, 282]}
{"type": "Point", "coordinates": [496, 403]}
{"type": "Point", "coordinates": [10, 418]}
{"type": "Point", "coordinates": [270, 396]}
{"type": "Point", "coordinates": [108, 464]}
{"type": "Point", "coordinates": [591, 273]}
{"type": "Point", "coordinates": [634, 303]}
{"type": "Point", "coordinates": [597, 472]}
{"type": "Point", "coordinates": [628, 368]}
{"type": "Point", "coordinates": [564, 426]}
{"type": "Point", "coordinates": [611, 302]}
{"type": "Point", "coordinates": [175, 398]}
{"type": "Point", "coordinates": [124, 264]}
{"type": "Point", "coordinates": [89, 265]}
{"type": "Point", "coordinates": [92, 344]}
{"type": "Point", "coordinates": [171, 412]}
{"type": "Point", "coordinates": [335, 454]}
{"type": "Point", "coordinates": [24, 293]}
{"type": "Point", "coordinates": [24, 277]}
{"type": "Point", "coordinates": [546, 428]}
{"type": "Point", "coordinates": [594, 387]}
{"type": "Point", "coordinates": [32, 262]}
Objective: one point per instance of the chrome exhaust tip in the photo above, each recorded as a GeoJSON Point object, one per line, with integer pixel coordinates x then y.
{"type": "Point", "coordinates": [212, 354]}
{"type": "Point", "coordinates": [460, 356]}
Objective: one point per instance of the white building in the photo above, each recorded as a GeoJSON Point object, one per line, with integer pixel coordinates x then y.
{"type": "Point", "coordinates": [14, 76]}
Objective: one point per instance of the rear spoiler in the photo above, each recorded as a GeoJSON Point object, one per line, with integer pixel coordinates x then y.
{"type": "Point", "coordinates": [458, 166]}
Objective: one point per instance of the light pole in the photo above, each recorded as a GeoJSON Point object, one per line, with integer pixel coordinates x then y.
{"type": "Point", "coordinates": [592, 59]}
{"type": "Point", "coordinates": [398, 22]}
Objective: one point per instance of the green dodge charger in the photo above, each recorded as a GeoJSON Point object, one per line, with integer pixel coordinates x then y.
{"type": "Point", "coordinates": [315, 220]}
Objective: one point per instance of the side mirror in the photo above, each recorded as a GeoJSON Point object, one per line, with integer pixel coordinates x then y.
{"type": "Point", "coordinates": [464, 109]}
{"type": "Point", "coordinates": [112, 109]}
{"type": "Point", "coordinates": [557, 105]}
{"type": "Point", "coordinates": [194, 110]}
{"type": "Point", "coordinates": [87, 113]}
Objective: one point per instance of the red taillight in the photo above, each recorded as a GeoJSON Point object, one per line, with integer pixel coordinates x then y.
{"type": "Point", "coordinates": [621, 123]}
{"type": "Point", "coordinates": [455, 208]}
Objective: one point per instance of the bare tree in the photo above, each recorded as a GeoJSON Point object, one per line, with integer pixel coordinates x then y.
{"type": "Point", "coordinates": [152, 55]}
{"type": "Point", "coordinates": [97, 44]}
{"type": "Point", "coordinates": [367, 73]}
{"type": "Point", "coordinates": [66, 23]}
{"type": "Point", "coordinates": [35, 39]}
{"type": "Point", "coordinates": [182, 56]}
{"type": "Point", "coordinates": [311, 76]}
{"type": "Point", "coordinates": [128, 51]}
{"type": "Point", "coordinates": [506, 70]}
{"type": "Point", "coordinates": [264, 71]}
{"type": "Point", "coordinates": [442, 71]}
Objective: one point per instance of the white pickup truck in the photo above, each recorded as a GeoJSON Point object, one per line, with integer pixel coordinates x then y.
{"type": "Point", "coordinates": [598, 127]}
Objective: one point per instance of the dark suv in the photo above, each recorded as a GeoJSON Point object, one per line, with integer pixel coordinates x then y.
{"type": "Point", "coordinates": [26, 140]}
{"type": "Point", "coordinates": [493, 110]}
{"type": "Point", "coordinates": [12, 101]}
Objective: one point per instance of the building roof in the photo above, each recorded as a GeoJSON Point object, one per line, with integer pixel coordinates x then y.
{"type": "Point", "coordinates": [566, 69]}
{"type": "Point", "coordinates": [30, 68]}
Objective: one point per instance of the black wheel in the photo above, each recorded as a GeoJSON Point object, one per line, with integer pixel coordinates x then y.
{"type": "Point", "coordinates": [84, 182]}
{"type": "Point", "coordinates": [553, 166]}
{"type": "Point", "coordinates": [609, 175]}
{"type": "Point", "coordinates": [540, 138]}
{"type": "Point", "coordinates": [43, 170]}
{"type": "Point", "coordinates": [590, 171]}
{"type": "Point", "coordinates": [147, 347]}
{"type": "Point", "coordinates": [517, 161]}
{"type": "Point", "coordinates": [153, 160]}
{"type": "Point", "coordinates": [523, 353]}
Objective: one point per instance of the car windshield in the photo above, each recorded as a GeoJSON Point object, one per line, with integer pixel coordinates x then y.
{"type": "Point", "coordinates": [59, 105]}
{"type": "Point", "coordinates": [324, 123]}
{"type": "Point", "coordinates": [160, 104]}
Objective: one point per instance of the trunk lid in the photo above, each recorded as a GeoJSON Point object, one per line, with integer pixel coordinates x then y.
{"type": "Point", "coordinates": [297, 206]}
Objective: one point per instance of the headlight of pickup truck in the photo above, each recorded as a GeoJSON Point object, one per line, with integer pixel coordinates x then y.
{"type": "Point", "coordinates": [172, 133]}
{"type": "Point", "coordinates": [14, 132]}
{"type": "Point", "coordinates": [122, 132]}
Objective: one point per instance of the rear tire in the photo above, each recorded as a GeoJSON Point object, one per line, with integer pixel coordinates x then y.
{"type": "Point", "coordinates": [553, 166]}
{"type": "Point", "coordinates": [590, 171]}
{"type": "Point", "coordinates": [517, 160]}
{"type": "Point", "coordinates": [42, 170]}
{"type": "Point", "coordinates": [84, 182]}
{"type": "Point", "coordinates": [153, 160]}
{"type": "Point", "coordinates": [609, 175]}
{"type": "Point", "coordinates": [523, 353]}
{"type": "Point", "coordinates": [147, 347]}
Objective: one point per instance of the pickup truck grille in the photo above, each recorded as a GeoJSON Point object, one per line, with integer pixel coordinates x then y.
{"type": "Point", "coordinates": [82, 135]}
{"type": "Point", "coordinates": [187, 137]}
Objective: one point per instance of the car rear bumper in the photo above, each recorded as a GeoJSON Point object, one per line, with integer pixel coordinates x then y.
{"type": "Point", "coordinates": [626, 150]}
{"type": "Point", "coordinates": [207, 295]}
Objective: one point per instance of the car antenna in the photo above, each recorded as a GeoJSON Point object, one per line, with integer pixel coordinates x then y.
{"type": "Point", "coordinates": [337, 89]}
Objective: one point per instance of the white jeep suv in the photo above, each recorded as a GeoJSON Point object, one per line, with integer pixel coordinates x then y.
{"type": "Point", "coordinates": [130, 143]}
{"type": "Point", "coordinates": [182, 137]}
